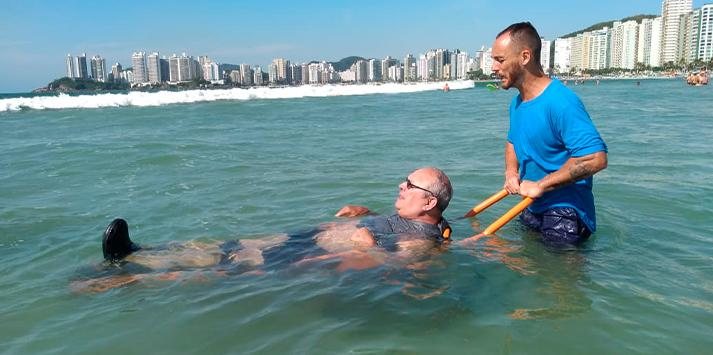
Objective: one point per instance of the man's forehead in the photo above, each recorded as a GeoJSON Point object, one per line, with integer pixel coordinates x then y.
{"type": "Point", "coordinates": [502, 42]}
{"type": "Point", "coordinates": [421, 174]}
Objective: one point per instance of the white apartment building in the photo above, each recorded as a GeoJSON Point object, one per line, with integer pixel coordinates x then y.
{"type": "Point", "coordinates": [624, 37]}
{"type": "Point", "coordinates": [545, 51]}
{"type": "Point", "coordinates": [153, 67]}
{"type": "Point", "coordinates": [422, 67]}
{"type": "Point", "coordinates": [462, 65]}
{"type": "Point", "coordinates": [671, 11]}
{"type": "Point", "coordinates": [98, 68]}
{"type": "Point", "coordinates": [563, 52]}
{"type": "Point", "coordinates": [486, 60]}
{"type": "Point", "coordinates": [138, 63]}
{"type": "Point", "coordinates": [246, 75]}
{"type": "Point", "coordinates": [409, 61]}
{"type": "Point", "coordinates": [69, 64]}
{"type": "Point", "coordinates": [257, 76]}
{"type": "Point", "coordinates": [361, 74]}
{"type": "Point", "coordinates": [648, 50]}
{"type": "Point", "coordinates": [704, 49]}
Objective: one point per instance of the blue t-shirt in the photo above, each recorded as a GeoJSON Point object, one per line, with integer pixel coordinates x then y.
{"type": "Point", "coordinates": [548, 130]}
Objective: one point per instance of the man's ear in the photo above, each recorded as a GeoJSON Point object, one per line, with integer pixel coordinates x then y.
{"type": "Point", "coordinates": [525, 56]}
{"type": "Point", "coordinates": [432, 203]}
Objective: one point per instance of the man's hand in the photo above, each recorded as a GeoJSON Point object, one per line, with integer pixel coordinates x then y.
{"type": "Point", "coordinates": [512, 183]}
{"type": "Point", "coordinates": [531, 189]}
{"type": "Point", "coordinates": [352, 211]}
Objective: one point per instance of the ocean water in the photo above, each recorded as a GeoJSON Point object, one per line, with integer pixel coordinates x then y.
{"type": "Point", "coordinates": [218, 169]}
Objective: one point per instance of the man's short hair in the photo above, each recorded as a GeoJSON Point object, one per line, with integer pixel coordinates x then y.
{"type": "Point", "coordinates": [524, 35]}
{"type": "Point", "coordinates": [441, 188]}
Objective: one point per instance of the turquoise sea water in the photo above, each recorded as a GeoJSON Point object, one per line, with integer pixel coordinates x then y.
{"type": "Point", "coordinates": [221, 170]}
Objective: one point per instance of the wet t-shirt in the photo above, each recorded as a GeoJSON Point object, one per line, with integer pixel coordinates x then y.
{"type": "Point", "coordinates": [383, 227]}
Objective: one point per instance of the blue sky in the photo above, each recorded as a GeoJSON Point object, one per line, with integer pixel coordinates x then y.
{"type": "Point", "coordinates": [36, 36]}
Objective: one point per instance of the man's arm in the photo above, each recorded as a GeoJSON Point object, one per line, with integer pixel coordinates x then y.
{"type": "Point", "coordinates": [512, 176]}
{"type": "Point", "coordinates": [574, 169]}
{"type": "Point", "coordinates": [352, 211]}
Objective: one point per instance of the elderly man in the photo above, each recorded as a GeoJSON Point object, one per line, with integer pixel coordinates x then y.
{"type": "Point", "coordinates": [416, 226]}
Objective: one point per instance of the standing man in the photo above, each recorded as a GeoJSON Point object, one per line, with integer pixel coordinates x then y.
{"type": "Point", "coordinates": [552, 149]}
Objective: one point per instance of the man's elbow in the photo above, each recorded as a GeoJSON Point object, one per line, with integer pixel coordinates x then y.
{"type": "Point", "coordinates": [600, 161]}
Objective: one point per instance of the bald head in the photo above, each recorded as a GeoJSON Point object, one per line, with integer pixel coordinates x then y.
{"type": "Point", "coordinates": [439, 184]}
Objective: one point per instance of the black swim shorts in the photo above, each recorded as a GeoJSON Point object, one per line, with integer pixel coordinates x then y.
{"type": "Point", "coordinates": [559, 226]}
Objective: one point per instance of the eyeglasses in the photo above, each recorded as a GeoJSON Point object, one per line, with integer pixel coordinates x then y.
{"type": "Point", "coordinates": [410, 185]}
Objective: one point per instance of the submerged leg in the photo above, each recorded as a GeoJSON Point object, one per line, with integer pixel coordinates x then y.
{"type": "Point", "coordinates": [116, 243]}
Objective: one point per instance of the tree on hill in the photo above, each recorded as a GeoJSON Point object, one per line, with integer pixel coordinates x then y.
{"type": "Point", "coordinates": [600, 25]}
{"type": "Point", "coordinates": [345, 63]}
{"type": "Point", "coordinates": [69, 84]}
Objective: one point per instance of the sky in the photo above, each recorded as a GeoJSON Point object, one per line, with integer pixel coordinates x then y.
{"type": "Point", "coordinates": [36, 36]}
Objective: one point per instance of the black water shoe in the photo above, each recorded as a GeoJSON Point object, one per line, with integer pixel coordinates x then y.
{"type": "Point", "coordinates": [116, 243]}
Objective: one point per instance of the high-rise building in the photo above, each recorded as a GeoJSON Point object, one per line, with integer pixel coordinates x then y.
{"type": "Point", "coordinates": [281, 65]}
{"type": "Point", "coordinates": [165, 69]}
{"type": "Point", "coordinates": [704, 47]}
{"type": "Point", "coordinates": [258, 76]}
{"type": "Point", "coordinates": [98, 68]}
{"type": "Point", "coordinates": [590, 50]}
{"type": "Point", "coordinates": [138, 63]}
{"type": "Point", "coordinates": [623, 50]}
{"type": "Point", "coordinates": [361, 72]}
{"type": "Point", "coordinates": [246, 74]}
{"type": "Point", "coordinates": [116, 72]}
{"type": "Point", "coordinates": [80, 66]}
{"type": "Point", "coordinates": [563, 52]}
{"type": "Point", "coordinates": [649, 42]}
{"type": "Point", "coordinates": [235, 76]}
{"type": "Point", "coordinates": [688, 36]}
{"type": "Point", "coordinates": [69, 64]}
{"type": "Point", "coordinates": [305, 69]}
{"type": "Point", "coordinates": [185, 68]}
{"type": "Point", "coordinates": [153, 67]}
{"type": "Point", "coordinates": [545, 51]}
{"type": "Point", "coordinates": [211, 71]}
{"type": "Point", "coordinates": [374, 70]}
{"type": "Point", "coordinates": [386, 63]}
{"type": "Point", "coordinates": [409, 61]}
{"type": "Point", "coordinates": [440, 61]}
{"type": "Point", "coordinates": [671, 11]}
{"type": "Point", "coordinates": [314, 70]}
{"type": "Point", "coordinates": [485, 58]}
{"type": "Point", "coordinates": [462, 63]}
{"type": "Point", "coordinates": [127, 76]}
{"type": "Point", "coordinates": [272, 72]}
{"type": "Point", "coordinates": [295, 74]}
{"type": "Point", "coordinates": [422, 68]}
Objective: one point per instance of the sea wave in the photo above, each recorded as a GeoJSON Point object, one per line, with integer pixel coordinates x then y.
{"type": "Point", "coordinates": [137, 98]}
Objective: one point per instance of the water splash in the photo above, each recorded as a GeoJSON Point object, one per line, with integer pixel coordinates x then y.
{"type": "Point", "coordinates": [137, 98]}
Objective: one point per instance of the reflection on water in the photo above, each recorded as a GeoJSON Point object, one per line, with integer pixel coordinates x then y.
{"type": "Point", "coordinates": [558, 273]}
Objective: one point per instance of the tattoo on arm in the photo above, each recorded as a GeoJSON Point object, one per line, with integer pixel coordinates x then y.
{"type": "Point", "coordinates": [580, 170]}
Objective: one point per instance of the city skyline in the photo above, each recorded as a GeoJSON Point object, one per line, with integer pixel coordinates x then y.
{"type": "Point", "coordinates": [36, 35]}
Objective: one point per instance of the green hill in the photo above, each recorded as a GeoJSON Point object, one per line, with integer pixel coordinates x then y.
{"type": "Point", "coordinates": [345, 63]}
{"type": "Point", "coordinates": [609, 24]}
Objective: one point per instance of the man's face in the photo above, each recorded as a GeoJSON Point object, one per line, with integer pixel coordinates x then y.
{"type": "Point", "coordinates": [413, 200]}
{"type": "Point", "coordinates": [506, 62]}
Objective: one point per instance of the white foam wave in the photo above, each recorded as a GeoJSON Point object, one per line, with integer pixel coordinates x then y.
{"type": "Point", "coordinates": [137, 98]}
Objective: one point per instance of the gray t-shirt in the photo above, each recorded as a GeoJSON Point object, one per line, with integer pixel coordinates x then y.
{"type": "Point", "coordinates": [383, 226]}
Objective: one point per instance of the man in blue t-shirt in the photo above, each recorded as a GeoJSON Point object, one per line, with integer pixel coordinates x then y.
{"type": "Point", "coordinates": [553, 148]}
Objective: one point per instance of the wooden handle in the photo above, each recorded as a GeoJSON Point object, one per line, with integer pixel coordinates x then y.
{"type": "Point", "coordinates": [487, 203]}
{"type": "Point", "coordinates": [508, 216]}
